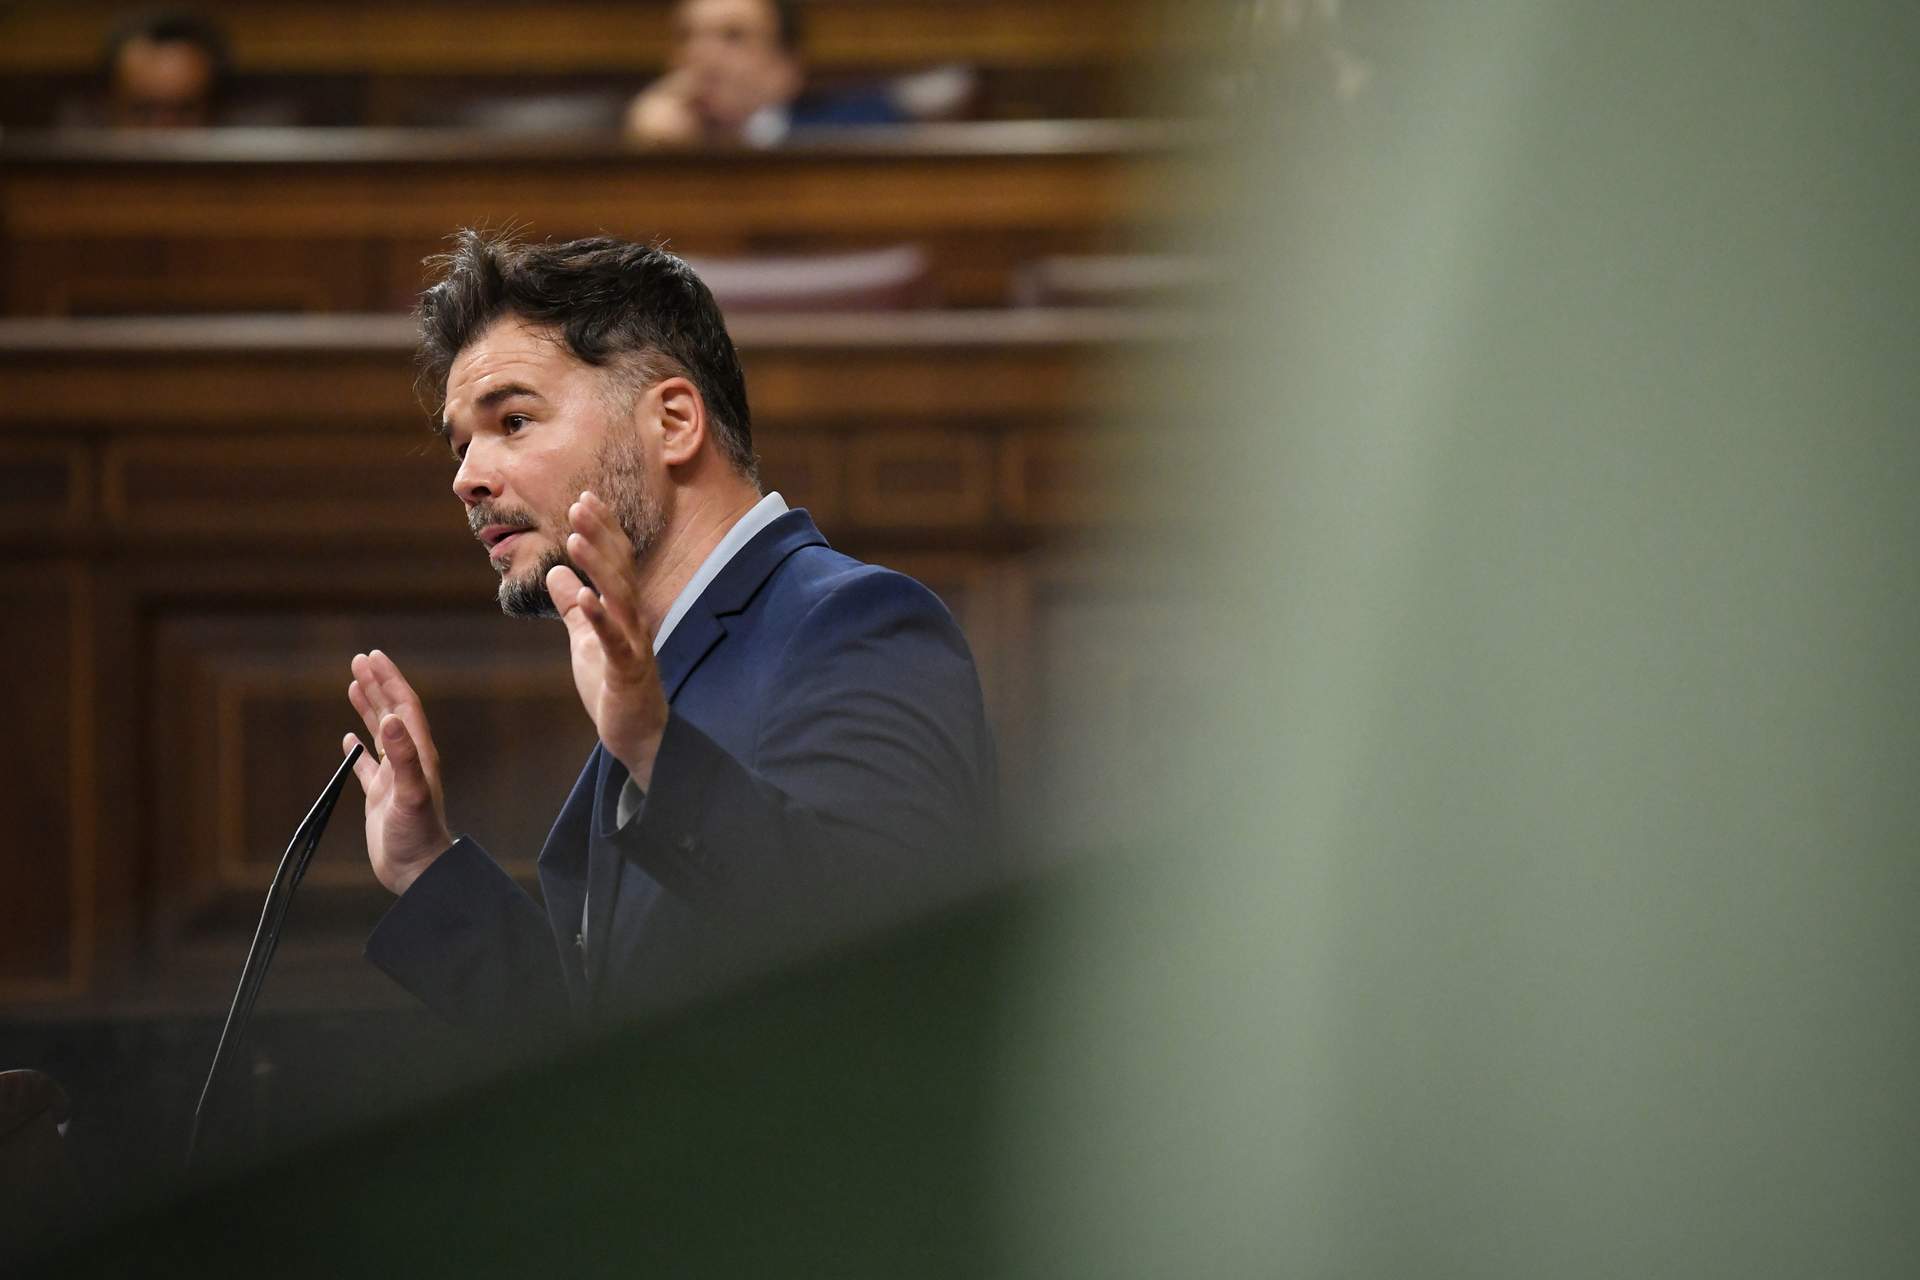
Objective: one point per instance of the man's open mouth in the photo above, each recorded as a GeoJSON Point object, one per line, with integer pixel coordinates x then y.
{"type": "Point", "coordinates": [496, 537]}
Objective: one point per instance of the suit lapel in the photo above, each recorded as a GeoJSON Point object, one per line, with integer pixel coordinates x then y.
{"type": "Point", "coordinates": [704, 625]}
{"type": "Point", "coordinates": [603, 861]}
{"type": "Point", "coordinates": [563, 868]}
{"type": "Point", "coordinates": [699, 632]}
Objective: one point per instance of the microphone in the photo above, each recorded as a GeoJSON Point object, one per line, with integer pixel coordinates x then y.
{"type": "Point", "coordinates": [273, 914]}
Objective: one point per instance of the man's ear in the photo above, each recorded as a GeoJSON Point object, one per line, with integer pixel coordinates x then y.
{"type": "Point", "coordinates": [682, 416]}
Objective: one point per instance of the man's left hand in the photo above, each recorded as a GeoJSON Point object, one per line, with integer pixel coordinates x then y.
{"type": "Point", "coordinates": [612, 648]}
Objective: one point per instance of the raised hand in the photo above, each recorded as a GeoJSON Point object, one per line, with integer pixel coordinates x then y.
{"type": "Point", "coordinates": [612, 647]}
{"type": "Point", "coordinates": [665, 113]}
{"type": "Point", "coordinates": [406, 815]}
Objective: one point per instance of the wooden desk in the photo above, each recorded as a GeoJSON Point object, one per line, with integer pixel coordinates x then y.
{"type": "Point", "coordinates": [358, 62]}
{"type": "Point", "coordinates": [339, 220]}
{"type": "Point", "coordinates": [208, 517]}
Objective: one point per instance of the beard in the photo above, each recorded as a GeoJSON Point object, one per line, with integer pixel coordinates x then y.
{"type": "Point", "coordinates": [616, 474]}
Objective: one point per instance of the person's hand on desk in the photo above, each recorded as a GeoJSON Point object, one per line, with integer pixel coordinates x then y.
{"type": "Point", "coordinates": [406, 814]}
{"type": "Point", "coordinates": [611, 646]}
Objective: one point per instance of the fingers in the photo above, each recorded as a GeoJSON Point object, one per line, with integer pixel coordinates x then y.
{"type": "Point", "coordinates": [369, 694]}
{"type": "Point", "coordinates": [585, 614]}
{"type": "Point", "coordinates": [410, 786]}
{"type": "Point", "coordinates": [357, 695]}
{"type": "Point", "coordinates": [599, 546]}
{"type": "Point", "coordinates": [567, 592]}
{"type": "Point", "coordinates": [366, 768]}
{"type": "Point", "coordinates": [398, 693]}
{"type": "Point", "coordinates": [583, 611]}
{"type": "Point", "coordinates": [380, 680]}
{"type": "Point", "coordinates": [673, 92]}
{"type": "Point", "coordinates": [384, 691]}
{"type": "Point", "coordinates": [564, 586]}
{"type": "Point", "coordinates": [614, 638]}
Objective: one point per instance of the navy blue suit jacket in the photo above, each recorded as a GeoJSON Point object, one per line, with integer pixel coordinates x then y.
{"type": "Point", "coordinates": [872, 105]}
{"type": "Point", "coordinates": [826, 747]}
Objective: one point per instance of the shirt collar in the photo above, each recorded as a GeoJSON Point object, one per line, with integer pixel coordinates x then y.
{"type": "Point", "coordinates": [767, 127]}
{"type": "Point", "coordinates": [762, 514]}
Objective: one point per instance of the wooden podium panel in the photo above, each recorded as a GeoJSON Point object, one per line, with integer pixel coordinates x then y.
{"type": "Point", "coordinates": [339, 220]}
{"type": "Point", "coordinates": [47, 779]}
{"type": "Point", "coordinates": [263, 692]}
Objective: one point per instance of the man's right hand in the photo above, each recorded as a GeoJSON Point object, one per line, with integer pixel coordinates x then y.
{"type": "Point", "coordinates": [406, 816]}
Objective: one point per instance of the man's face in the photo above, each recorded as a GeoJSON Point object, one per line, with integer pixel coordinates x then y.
{"type": "Point", "coordinates": [532, 426]}
{"type": "Point", "coordinates": [732, 50]}
{"type": "Point", "coordinates": [162, 85]}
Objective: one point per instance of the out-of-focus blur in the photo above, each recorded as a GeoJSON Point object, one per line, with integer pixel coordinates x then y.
{"type": "Point", "coordinates": [733, 61]}
{"type": "Point", "coordinates": [1523, 838]}
{"type": "Point", "coordinates": [164, 73]}
{"type": "Point", "coordinates": [582, 64]}
{"type": "Point", "coordinates": [1430, 488]}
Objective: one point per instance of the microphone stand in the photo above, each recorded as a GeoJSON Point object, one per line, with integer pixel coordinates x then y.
{"type": "Point", "coordinates": [273, 914]}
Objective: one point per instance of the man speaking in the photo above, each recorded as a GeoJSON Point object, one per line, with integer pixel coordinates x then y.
{"type": "Point", "coordinates": [785, 733]}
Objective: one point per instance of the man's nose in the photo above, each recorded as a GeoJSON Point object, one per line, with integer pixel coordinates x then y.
{"type": "Point", "coordinates": [477, 479]}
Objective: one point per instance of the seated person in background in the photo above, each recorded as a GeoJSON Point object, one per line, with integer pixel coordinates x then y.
{"type": "Point", "coordinates": [164, 70]}
{"type": "Point", "coordinates": [736, 77]}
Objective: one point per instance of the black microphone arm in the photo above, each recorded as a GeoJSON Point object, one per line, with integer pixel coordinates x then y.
{"type": "Point", "coordinates": [273, 914]}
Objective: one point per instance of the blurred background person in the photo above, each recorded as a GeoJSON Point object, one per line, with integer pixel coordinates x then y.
{"type": "Point", "coordinates": [164, 69]}
{"type": "Point", "coordinates": [737, 75]}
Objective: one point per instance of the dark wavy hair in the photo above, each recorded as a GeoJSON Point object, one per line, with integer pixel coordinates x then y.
{"type": "Point", "coordinates": [788, 25]}
{"type": "Point", "coordinates": [631, 308]}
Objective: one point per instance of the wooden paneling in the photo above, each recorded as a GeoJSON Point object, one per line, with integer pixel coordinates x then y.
{"type": "Point", "coordinates": [278, 380]}
{"type": "Point", "coordinates": [228, 509]}
{"type": "Point", "coordinates": [909, 478]}
{"type": "Point", "coordinates": [1079, 476]}
{"type": "Point", "coordinates": [48, 852]}
{"type": "Point", "coordinates": [251, 374]}
{"type": "Point", "coordinates": [806, 465]}
{"type": "Point", "coordinates": [424, 62]}
{"type": "Point", "coordinates": [385, 184]}
{"type": "Point", "coordinates": [339, 220]}
{"type": "Point", "coordinates": [44, 484]}
{"type": "Point", "coordinates": [289, 483]}
{"type": "Point", "coordinates": [264, 694]}
{"type": "Point", "coordinates": [157, 275]}
{"type": "Point", "coordinates": [462, 37]}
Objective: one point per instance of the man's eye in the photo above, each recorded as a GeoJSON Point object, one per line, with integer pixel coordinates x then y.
{"type": "Point", "coordinates": [514, 421]}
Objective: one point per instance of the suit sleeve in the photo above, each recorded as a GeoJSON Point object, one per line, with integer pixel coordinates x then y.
{"type": "Point", "coordinates": [872, 775]}
{"type": "Point", "coordinates": [473, 946]}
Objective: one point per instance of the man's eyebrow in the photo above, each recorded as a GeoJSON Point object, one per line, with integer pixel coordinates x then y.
{"type": "Point", "coordinates": [505, 391]}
